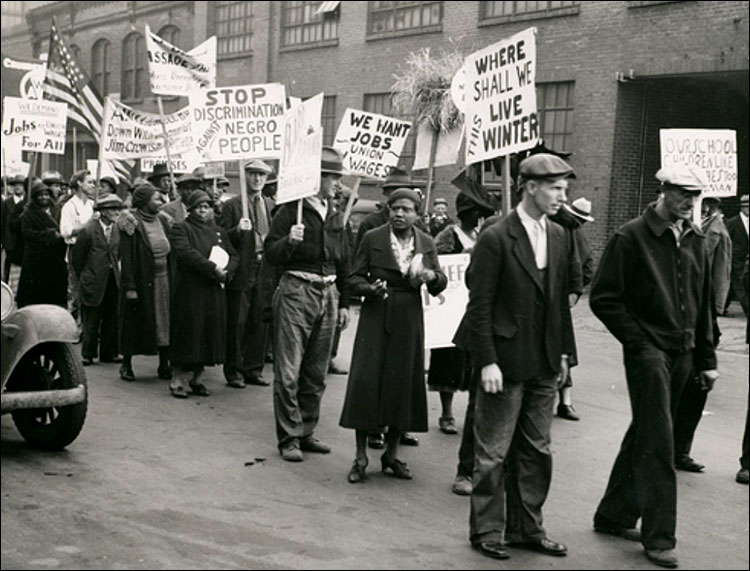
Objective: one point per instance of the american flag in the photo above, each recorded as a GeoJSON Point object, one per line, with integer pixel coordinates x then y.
{"type": "Point", "coordinates": [66, 81]}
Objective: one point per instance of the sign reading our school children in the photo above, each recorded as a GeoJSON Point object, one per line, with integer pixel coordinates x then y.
{"type": "Point", "coordinates": [370, 143]}
{"type": "Point", "coordinates": [173, 71]}
{"type": "Point", "coordinates": [34, 125]}
{"type": "Point", "coordinates": [500, 98]}
{"type": "Point", "coordinates": [238, 123]}
{"type": "Point", "coordinates": [713, 150]}
{"type": "Point", "coordinates": [442, 314]}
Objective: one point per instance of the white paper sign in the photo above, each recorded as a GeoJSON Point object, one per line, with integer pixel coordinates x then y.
{"type": "Point", "coordinates": [446, 153]}
{"type": "Point", "coordinates": [173, 71]}
{"type": "Point", "coordinates": [214, 170]}
{"type": "Point", "coordinates": [442, 314]}
{"type": "Point", "coordinates": [35, 125]}
{"type": "Point", "coordinates": [107, 170]}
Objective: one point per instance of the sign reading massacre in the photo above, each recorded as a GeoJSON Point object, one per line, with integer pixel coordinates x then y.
{"type": "Point", "coordinates": [34, 125]}
{"type": "Point", "coordinates": [242, 122]}
{"type": "Point", "coordinates": [370, 143]}
{"type": "Point", "coordinates": [501, 114]}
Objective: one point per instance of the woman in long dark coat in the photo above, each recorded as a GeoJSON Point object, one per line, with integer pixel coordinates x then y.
{"type": "Point", "coordinates": [386, 384]}
{"type": "Point", "coordinates": [199, 312]}
{"type": "Point", "coordinates": [44, 273]}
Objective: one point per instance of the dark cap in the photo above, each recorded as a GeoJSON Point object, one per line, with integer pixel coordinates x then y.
{"type": "Point", "coordinates": [409, 194]}
{"type": "Point", "coordinates": [109, 180]}
{"type": "Point", "coordinates": [197, 197]}
{"type": "Point", "coordinates": [545, 165]}
{"type": "Point", "coordinates": [108, 201]}
{"type": "Point", "coordinates": [186, 179]}
{"type": "Point", "coordinates": [39, 187]}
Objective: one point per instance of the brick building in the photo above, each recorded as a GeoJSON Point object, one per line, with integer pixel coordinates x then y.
{"type": "Point", "coordinates": [609, 74]}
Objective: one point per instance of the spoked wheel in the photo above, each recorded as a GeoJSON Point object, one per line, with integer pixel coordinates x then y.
{"type": "Point", "coordinates": [49, 366]}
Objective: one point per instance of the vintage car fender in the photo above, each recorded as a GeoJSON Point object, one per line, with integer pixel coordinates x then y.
{"type": "Point", "coordinates": [25, 328]}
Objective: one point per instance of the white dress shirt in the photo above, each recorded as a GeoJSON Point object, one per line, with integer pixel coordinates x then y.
{"type": "Point", "coordinates": [744, 221]}
{"type": "Point", "coordinates": [537, 232]}
{"type": "Point", "coordinates": [75, 212]}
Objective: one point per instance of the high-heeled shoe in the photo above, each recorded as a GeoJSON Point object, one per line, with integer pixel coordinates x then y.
{"type": "Point", "coordinates": [357, 473]}
{"type": "Point", "coordinates": [397, 467]}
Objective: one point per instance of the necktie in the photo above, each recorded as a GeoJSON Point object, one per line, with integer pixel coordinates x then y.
{"type": "Point", "coordinates": [107, 232]}
{"type": "Point", "coordinates": [261, 223]}
{"type": "Point", "coordinates": [540, 252]}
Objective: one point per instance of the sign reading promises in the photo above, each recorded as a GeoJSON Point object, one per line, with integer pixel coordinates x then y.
{"type": "Point", "coordinates": [713, 150]}
{"type": "Point", "coordinates": [501, 114]}
{"type": "Point", "coordinates": [237, 123]}
{"type": "Point", "coordinates": [370, 143]}
{"type": "Point", "coordinates": [35, 125]}
{"type": "Point", "coordinates": [173, 71]}
{"type": "Point", "coordinates": [442, 314]}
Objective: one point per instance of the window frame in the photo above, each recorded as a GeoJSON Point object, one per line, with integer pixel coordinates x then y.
{"type": "Point", "coordinates": [325, 20]}
{"type": "Point", "coordinates": [140, 88]}
{"type": "Point", "coordinates": [372, 10]}
{"type": "Point", "coordinates": [247, 19]}
{"type": "Point", "coordinates": [100, 75]}
{"type": "Point", "coordinates": [548, 12]}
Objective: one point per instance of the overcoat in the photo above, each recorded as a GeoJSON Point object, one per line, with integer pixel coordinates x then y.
{"type": "Point", "coordinates": [386, 383]}
{"type": "Point", "coordinates": [92, 259]}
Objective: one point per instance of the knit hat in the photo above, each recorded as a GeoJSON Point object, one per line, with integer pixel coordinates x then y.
{"type": "Point", "coordinates": [38, 188]}
{"type": "Point", "coordinates": [197, 197]}
{"type": "Point", "coordinates": [142, 194]}
{"type": "Point", "coordinates": [407, 193]}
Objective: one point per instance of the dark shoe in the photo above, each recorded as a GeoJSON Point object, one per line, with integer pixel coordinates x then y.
{"type": "Point", "coordinates": [86, 361]}
{"type": "Point", "coordinates": [409, 440]}
{"type": "Point", "coordinates": [164, 372]}
{"type": "Point", "coordinates": [447, 425]}
{"type": "Point", "coordinates": [567, 412]}
{"type": "Point", "coordinates": [357, 473]}
{"type": "Point", "coordinates": [256, 380]}
{"type": "Point", "coordinates": [493, 549]}
{"type": "Point", "coordinates": [115, 359]}
{"type": "Point", "coordinates": [397, 468]}
{"type": "Point", "coordinates": [334, 370]}
{"type": "Point", "coordinates": [311, 444]}
{"type": "Point", "coordinates": [375, 441]}
{"type": "Point", "coordinates": [629, 533]}
{"type": "Point", "coordinates": [178, 391]}
{"type": "Point", "coordinates": [743, 476]}
{"type": "Point", "coordinates": [687, 464]}
{"type": "Point", "coordinates": [662, 557]}
{"type": "Point", "coordinates": [545, 546]}
{"type": "Point", "coordinates": [462, 485]}
{"type": "Point", "coordinates": [126, 374]}
{"type": "Point", "coordinates": [199, 389]}
{"type": "Point", "coordinates": [236, 383]}
{"type": "Point", "coordinates": [291, 452]}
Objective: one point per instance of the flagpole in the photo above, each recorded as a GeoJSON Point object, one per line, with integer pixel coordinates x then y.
{"type": "Point", "coordinates": [506, 187]}
{"type": "Point", "coordinates": [32, 170]}
{"type": "Point", "coordinates": [75, 149]}
{"type": "Point", "coordinates": [100, 162]}
{"type": "Point", "coordinates": [166, 147]}
{"type": "Point", "coordinates": [5, 175]}
{"type": "Point", "coordinates": [243, 190]}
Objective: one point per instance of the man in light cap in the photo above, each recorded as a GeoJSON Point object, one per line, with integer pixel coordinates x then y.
{"type": "Point", "coordinates": [520, 337]}
{"type": "Point", "coordinates": [246, 332]}
{"type": "Point", "coordinates": [653, 292]}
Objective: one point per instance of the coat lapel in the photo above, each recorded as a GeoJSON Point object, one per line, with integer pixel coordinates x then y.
{"type": "Point", "coordinates": [555, 242]}
{"type": "Point", "coordinates": [522, 249]}
{"type": "Point", "coordinates": [382, 254]}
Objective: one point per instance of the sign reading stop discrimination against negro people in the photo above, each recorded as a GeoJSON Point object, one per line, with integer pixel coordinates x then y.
{"type": "Point", "coordinates": [34, 125]}
{"type": "Point", "coordinates": [299, 169]}
{"type": "Point", "coordinates": [238, 123]}
{"type": "Point", "coordinates": [173, 71]}
{"type": "Point", "coordinates": [370, 143]}
{"type": "Point", "coordinates": [500, 98]}
{"type": "Point", "coordinates": [442, 314]}
{"type": "Point", "coordinates": [713, 150]}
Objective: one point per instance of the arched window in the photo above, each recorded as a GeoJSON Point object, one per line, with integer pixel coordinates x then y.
{"type": "Point", "coordinates": [100, 66]}
{"type": "Point", "coordinates": [134, 79]}
{"type": "Point", "coordinates": [171, 34]}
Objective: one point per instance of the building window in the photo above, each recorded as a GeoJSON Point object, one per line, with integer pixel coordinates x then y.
{"type": "Point", "coordinates": [302, 25]}
{"type": "Point", "coordinates": [328, 119]}
{"type": "Point", "coordinates": [555, 104]}
{"type": "Point", "coordinates": [13, 14]}
{"type": "Point", "coordinates": [75, 51]}
{"type": "Point", "coordinates": [170, 34]}
{"type": "Point", "coordinates": [393, 18]}
{"type": "Point", "coordinates": [234, 27]}
{"type": "Point", "coordinates": [383, 103]}
{"type": "Point", "coordinates": [100, 66]}
{"type": "Point", "coordinates": [490, 10]}
{"type": "Point", "coordinates": [134, 79]}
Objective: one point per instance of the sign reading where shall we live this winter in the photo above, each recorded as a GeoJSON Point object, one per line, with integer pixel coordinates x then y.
{"type": "Point", "coordinates": [442, 314]}
{"type": "Point", "coordinates": [500, 98]}
{"type": "Point", "coordinates": [370, 143]}
{"type": "Point", "coordinates": [34, 125]}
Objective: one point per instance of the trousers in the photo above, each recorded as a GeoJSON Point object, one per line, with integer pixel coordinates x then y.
{"type": "Point", "coordinates": [99, 325]}
{"type": "Point", "coordinates": [246, 332]}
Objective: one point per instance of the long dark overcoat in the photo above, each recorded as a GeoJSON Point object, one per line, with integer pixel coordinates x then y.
{"type": "Point", "coordinates": [386, 383]}
{"type": "Point", "coordinates": [44, 273]}
{"type": "Point", "coordinates": [198, 304]}
{"type": "Point", "coordinates": [137, 319]}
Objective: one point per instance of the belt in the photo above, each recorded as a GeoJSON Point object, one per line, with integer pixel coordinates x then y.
{"type": "Point", "coordinates": [324, 283]}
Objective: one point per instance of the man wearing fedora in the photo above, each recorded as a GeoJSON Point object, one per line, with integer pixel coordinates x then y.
{"type": "Point", "coordinates": [246, 332]}
{"type": "Point", "coordinates": [176, 208]}
{"type": "Point", "coordinates": [738, 232]}
{"type": "Point", "coordinates": [160, 179]}
{"type": "Point", "coordinates": [55, 182]}
{"type": "Point", "coordinates": [95, 262]}
{"type": "Point", "coordinates": [311, 299]}
{"type": "Point", "coordinates": [653, 292]}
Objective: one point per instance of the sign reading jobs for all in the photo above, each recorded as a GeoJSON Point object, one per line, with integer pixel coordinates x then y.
{"type": "Point", "coordinates": [173, 71]}
{"type": "Point", "coordinates": [370, 143]}
{"type": "Point", "coordinates": [501, 113]}
{"type": "Point", "coordinates": [442, 314]}
{"type": "Point", "coordinates": [238, 123]}
{"type": "Point", "coordinates": [34, 125]}
{"type": "Point", "coordinates": [713, 150]}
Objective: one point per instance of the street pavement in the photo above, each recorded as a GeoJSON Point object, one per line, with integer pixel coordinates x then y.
{"type": "Point", "coordinates": [155, 482]}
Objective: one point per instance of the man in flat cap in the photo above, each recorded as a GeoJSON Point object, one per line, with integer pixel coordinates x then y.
{"type": "Point", "coordinates": [653, 292]}
{"type": "Point", "coordinates": [439, 219]}
{"type": "Point", "coordinates": [246, 332]}
{"type": "Point", "coordinates": [521, 336]}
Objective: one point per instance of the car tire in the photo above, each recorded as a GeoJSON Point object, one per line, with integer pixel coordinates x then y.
{"type": "Point", "coordinates": [49, 366]}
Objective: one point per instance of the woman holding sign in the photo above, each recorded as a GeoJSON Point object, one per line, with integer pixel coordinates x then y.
{"type": "Point", "coordinates": [386, 383]}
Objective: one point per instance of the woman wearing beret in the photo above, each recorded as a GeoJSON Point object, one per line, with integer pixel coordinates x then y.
{"type": "Point", "coordinates": [199, 311]}
{"type": "Point", "coordinates": [386, 383]}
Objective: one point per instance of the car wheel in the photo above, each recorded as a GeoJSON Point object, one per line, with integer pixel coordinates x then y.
{"type": "Point", "coordinates": [49, 366]}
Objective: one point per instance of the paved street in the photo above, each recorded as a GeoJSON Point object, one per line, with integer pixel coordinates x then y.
{"type": "Point", "coordinates": [156, 482]}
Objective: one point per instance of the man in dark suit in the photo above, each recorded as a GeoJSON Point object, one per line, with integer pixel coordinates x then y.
{"type": "Point", "coordinates": [94, 260]}
{"type": "Point", "coordinates": [738, 232]}
{"type": "Point", "coordinates": [521, 332]}
{"type": "Point", "coordinates": [246, 332]}
{"type": "Point", "coordinates": [12, 240]}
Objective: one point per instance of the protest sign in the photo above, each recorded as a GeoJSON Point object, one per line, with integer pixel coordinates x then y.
{"type": "Point", "coordinates": [238, 123]}
{"type": "Point", "coordinates": [299, 170]}
{"type": "Point", "coordinates": [370, 143]}
{"type": "Point", "coordinates": [180, 163]}
{"type": "Point", "coordinates": [442, 314]}
{"type": "Point", "coordinates": [173, 71]}
{"type": "Point", "coordinates": [35, 125]}
{"type": "Point", "coordinates": [501, 113]}
{"type": "Point", "coordinates": [713, 150]}
{"type": "Point", "coordinates": [13, 166]}
{"type": "Point", "coordinates": [213, 170]}
{"type": "Point", "coordinates": [446, 152]}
